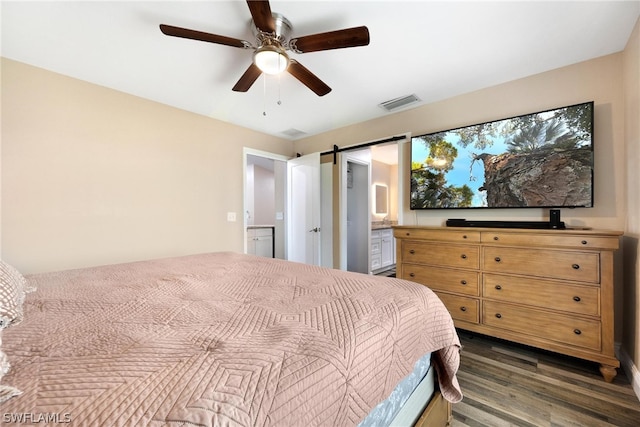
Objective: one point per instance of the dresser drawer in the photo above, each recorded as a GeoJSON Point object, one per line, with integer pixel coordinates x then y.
{"type": "Point", "coordinates": [542, 293]}
{"type": "Point", "coordinates": [461, 308]}
{"type": "Point", "coordinates": [564, 329]}
{"type": "Point", "coordinates": [575, 266]}
{"type": "Point", "coordinates": [450, 255]}
{"type": "Point", "coordinates": [440, 235]}
{"type": "Point", "coordinates": [555, 239]}
{"type": "Point", "coordinates": [444, 279]}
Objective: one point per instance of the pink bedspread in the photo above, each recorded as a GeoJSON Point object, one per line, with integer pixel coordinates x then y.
{"type": "Point", "coordinates": [221, 339]}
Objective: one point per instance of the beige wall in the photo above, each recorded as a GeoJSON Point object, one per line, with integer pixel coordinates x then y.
{"type": "Point", "coordinates": [631, 70]}
{"type": "Point", "coordinates": [598, 80]}
{"type": "Point", "coordinates": [94, 176]}
{"type": "Point", "coordinates": [264, 212]}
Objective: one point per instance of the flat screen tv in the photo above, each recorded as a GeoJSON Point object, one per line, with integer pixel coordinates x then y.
{"type": "Point", "coordinates": [538, 160]}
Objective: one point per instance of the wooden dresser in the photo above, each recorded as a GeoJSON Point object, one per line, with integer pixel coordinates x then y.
{"type": "Point", "coordinates": [551, 289]}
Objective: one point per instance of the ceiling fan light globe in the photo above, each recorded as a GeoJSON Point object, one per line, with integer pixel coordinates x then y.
{"type": "Point", "coordinates": [271, 60]}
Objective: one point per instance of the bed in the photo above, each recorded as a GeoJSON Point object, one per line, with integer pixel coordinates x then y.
{"type": "Point", "coordinates": [227, 339]}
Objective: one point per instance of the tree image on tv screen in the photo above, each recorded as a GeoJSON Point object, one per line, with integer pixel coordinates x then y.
{"type": "Point", "coordinates": [537, 160]}
{"type": "Point", "coordinates": [429, 185]}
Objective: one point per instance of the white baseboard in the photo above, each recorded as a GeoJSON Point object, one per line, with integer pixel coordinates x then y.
{"type": "Point", "coordinates": [630, 369]}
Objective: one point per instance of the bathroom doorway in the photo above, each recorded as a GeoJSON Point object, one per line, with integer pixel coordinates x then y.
{"type": "Point", "coordinates": [264, 205]}
{"type": "Point", "coordinates": [370, 207]}
{"type": "Point", "coordinates": [282, 200]}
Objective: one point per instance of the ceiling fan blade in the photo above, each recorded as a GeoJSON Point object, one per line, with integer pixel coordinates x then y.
{"type": "Point", "coordinates": [307, 78]}
{"type": "Point", "coordinates": [248, 78]}
{"type": "Point", "coordinates": [261, 14]}
{"type": "Point", "coordinates": [349, 37]}
{"type": "Point", "coordinates": [185, 33]}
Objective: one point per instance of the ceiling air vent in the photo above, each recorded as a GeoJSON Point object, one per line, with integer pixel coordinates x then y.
{"type": "Point", "coordinates": [293, 133]}
{"type": "Point", "coordinates": [398, 103]}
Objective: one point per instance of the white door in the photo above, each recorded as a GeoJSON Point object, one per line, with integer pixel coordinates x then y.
{"type": "Point", "coordinates": [303, 236]}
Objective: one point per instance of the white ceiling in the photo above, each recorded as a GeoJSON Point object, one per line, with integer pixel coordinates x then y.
{"type": "Point", "coordinates": [433, 49]}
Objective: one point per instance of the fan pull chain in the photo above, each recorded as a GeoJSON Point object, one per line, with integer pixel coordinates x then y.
{"type": "Point", "coordinates": [279, 98]}
{"type": "Point", "coordinates": [264, 95]}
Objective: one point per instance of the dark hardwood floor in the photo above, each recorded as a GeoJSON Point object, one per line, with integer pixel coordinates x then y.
{"type": "Point", "coordinates": [506, 384]}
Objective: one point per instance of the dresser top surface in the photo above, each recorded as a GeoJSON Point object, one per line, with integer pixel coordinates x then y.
{"type": "Point", "coordinates": [537, 231]}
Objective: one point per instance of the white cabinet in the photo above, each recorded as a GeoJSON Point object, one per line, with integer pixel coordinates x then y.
{"type": "Point", "coordinates": [376, 250]}
{"type": "Point", "coordinates": [260, 241]}
{"type": "Point", "coordinates": [382, 249]}
{"type": "Point", "coordinates": [387, 248]}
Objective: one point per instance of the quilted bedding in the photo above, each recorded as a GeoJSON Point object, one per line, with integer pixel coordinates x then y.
{"type": "Point", "coordinates": [221, 339]}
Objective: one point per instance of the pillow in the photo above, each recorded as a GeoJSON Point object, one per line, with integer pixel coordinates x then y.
{"type": "Point", "coordinates": [29, 287]}
{"type": "Point", "coordinates": [12, 291]}
{"type": "Point", "coordinates": [6, 391]}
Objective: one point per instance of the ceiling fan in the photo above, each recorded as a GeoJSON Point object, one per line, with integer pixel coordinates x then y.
{"type": "Point", "coordinates": [272, 32]}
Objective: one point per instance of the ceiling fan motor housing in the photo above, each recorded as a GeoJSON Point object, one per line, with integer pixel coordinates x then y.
{"type": "Point", "coordinates": [281, 34]}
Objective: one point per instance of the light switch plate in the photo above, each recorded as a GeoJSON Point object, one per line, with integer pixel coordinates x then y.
{"type": "Point", "coordinates": [231, 216]}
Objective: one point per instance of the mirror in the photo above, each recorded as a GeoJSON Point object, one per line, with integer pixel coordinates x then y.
{"type": "Point", "coordinates": [381, 202]}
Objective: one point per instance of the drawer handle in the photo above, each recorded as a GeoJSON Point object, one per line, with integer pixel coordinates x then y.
{"type": "Point", "coordinates": [497, 259]}
{"type": "Point", "coordinates": [498, 315]}
{"type": "Point", "coordinates": [498, 287]}
{"type": "Point", "coordinates": [463, 256]}
{"type": "Point", "coordinates": [584, 242]}
{"type": "Point", "coordinates": [464, 237]}
{"type": "Point", "coordinates": [463, 308]}
{"type": "Point", "coordinates": [464, 282]}
{"type": "Point", "coordinates": [412, 274]}
{"type": "Point", "coordinates": [412, 252]}
{"type": "Point", "coordinates": [408, 234]}
{"type": "Point", "coordinates": [496, 238]}
{"type": "Point", "coordinates": [576, 267]}
{"type": "Point", "coordinates": [577, 331]}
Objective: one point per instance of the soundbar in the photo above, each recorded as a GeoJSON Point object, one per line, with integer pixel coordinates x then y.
{"type": "Point", "coordinates": [457, 222]}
